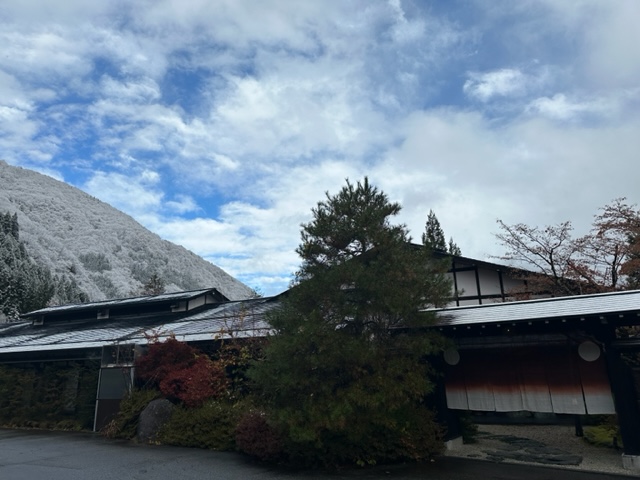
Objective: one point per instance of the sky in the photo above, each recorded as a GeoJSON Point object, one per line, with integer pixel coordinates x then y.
{"type": "Point", "coordinates": [219, 124]}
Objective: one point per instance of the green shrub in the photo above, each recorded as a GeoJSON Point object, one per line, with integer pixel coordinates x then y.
{"type": "Point", "coordinates": [236, 357]}
{"type": "Point", "coordinates": [603, 435]}
{"type": "Point", "coordinates": [125, 423]}
{"type": "Point", "coordinates": [354, 400]}
{"type": "Point", "coordinates": [468, 427]}
{"type": "Point", "coordinates": [410, 434]}
{"type": "Point", "coordinates": [52, 395]}
{"type": "Point", "coordinates": [210, 426]}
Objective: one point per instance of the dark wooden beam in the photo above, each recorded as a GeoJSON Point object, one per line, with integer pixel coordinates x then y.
{"type": "Point", "coordinates": [625, 399]}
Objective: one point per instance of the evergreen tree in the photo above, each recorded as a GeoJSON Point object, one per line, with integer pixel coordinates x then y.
{"type": "Point", "coordinates": [453, 248]}
{"type": "Point", "coordinates": [343, 378]}
{"type": "Point", "coordinates": [9, 225]}
{"type": "Point", "coordinates": [154, 286]}
{"type": "Point", "coordinates": [24, 285]}
{"type": "Point", "coordinates": [67, 291]}
{"type": "Point", "coordinates": [433, 237]}
{"type": "Point", "coordinates": [14, 228]}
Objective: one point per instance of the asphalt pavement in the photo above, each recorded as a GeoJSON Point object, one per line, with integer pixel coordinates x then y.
{"type": "Point", "coordinates": [37, 454]}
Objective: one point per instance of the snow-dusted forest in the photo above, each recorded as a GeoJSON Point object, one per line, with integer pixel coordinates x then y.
{"type": "Point", "coordinates": [102, 250]}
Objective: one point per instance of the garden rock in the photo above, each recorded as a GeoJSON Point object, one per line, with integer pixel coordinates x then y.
{"type": "Point", "coordinates": [152, 418]}
{"type": "Point", "coordinates": [526, 450]}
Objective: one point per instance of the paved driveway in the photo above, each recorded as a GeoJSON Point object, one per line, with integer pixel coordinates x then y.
{"type": "Point", "coordinates": [43, 455]}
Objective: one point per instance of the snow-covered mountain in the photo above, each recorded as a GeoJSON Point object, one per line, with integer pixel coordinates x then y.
{"type": "Point", "coordinates": [107, 252]}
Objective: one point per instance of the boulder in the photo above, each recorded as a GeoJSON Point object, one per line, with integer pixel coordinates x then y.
{"type": "Point", "coordinates": [152, 418]}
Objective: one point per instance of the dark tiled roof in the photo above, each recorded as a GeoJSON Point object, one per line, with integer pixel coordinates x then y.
{"type": "Point", "coordinates": [617, 303]}
{"type": "Point", "coordinates": [241, 319]}
{"type": "Point", "coordinates": [165, 297]}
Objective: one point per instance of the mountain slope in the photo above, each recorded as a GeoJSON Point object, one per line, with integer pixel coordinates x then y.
{"type": "Point", "coordinates": [107, 252]}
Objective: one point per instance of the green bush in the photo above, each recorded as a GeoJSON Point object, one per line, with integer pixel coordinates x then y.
{"type": "Point", "coordinates": [351, 401]}
{"type": "Point", "coordinates": [603, 435]}
{"type": "Point", "coordinates": [468, 427]}
{"type": "Point", "coordinates": [54, 395]}
{"type": "Point", "coordinates": [125, 424]}
{"type": "Point", "coordinates": [210, 426]}
{"type": "Point", "coordinates": [410, 434]}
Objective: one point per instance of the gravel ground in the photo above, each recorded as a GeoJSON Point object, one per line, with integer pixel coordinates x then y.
{"type": "Point", "coordinates": [491, 438]}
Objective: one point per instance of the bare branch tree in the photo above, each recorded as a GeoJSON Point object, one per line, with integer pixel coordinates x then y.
{"type": "Point", "coordinates": [550, 253]}
{"type": "Point", "coordinates": [606, 259]}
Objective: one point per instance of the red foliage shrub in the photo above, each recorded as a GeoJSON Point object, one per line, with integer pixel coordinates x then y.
{"type": "Point", "coordinates": [181, 373]}
{"type": "Point", "coordinates": [255, 437]}
{"type": "Point", "coordinates": [163, 358]}
{"type": "Point", "coordinates": [194, 384]}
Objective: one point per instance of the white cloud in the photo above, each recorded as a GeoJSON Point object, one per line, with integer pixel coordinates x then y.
{"type": "Point", "coordinates": [499, 83]}
{"type": "Point", "coordinates": [235, 23]}
{"type": "Point", "coordinates": [405, 30]}
{"type": "Point", "coordinates": [224, 162]}
{"type": "Point", "coordinates": [248, 242]}
{"type": "Point", "coordinates": [15, 122]}
{"type": "Point", "coordinates": [44, 56]}
{"type": "Point", "coordinates": [67, 11]}
{"type": "Point", "coordinates": [613, 55]}
{"type": "Point", "coordinates": [12, 94]}
{"type": "Point", "coordinates": [255, 242]}
{"type": "Point", "coordinates": [135, 195]}
{"type": "Point", "coordinates": [19, 124]}
{"type": "Point", "coordinates": [205, 236]}
{"type": "Point", "coordinates": [182, 204]}
{"type": "Point", "coordinates": [560, 107]}
{"type": "Point", "coordinates": [143, 90]}
{"type": "Point", "coordinates": [472, 172]}
{"type": "Point", "coordinates": [244, 114]}
{"type": "Point", "coordinates": [606, 36]}
{"type": "Point", "coordinates": [298, 110]}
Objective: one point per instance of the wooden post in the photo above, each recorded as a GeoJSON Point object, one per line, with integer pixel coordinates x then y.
{"type": "Point", "coordinates": [578, 421]}
{"type": "Point", "coordinates": [626, 401]}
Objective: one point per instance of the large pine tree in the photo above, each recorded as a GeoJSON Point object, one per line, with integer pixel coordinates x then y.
{"type": "Point", "coordinates": [346, 375]}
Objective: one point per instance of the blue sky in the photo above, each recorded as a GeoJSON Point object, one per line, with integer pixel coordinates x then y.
{"type": "Point", "coordinates": [220, 124]}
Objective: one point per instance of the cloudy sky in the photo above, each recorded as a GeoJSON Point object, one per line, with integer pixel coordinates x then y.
{"type": "Point", "coordinates": [219, 124]}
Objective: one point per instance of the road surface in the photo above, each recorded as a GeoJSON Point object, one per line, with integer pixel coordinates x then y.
{"type": "Point", "coordinates": [36, 454]}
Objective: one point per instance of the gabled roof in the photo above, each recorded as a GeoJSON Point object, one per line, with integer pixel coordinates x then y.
{"type": "Point", "coordinates": [125, 302]}
{"type": "Point", "coordinates": [481, 263]}
{"type": "Point", "coordinates": [238, 319]}
{"type": "Point", "coordinates": [241, 319]}
{"type": "Point", "coordinates": [622, 304]}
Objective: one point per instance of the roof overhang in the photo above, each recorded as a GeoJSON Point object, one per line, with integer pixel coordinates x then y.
{"type": "Point", "coordinates": [621, 308]}
{"type": "Point", "coordinates": [234, 319]}
{"type": "Point", "coordinates": [167, 298]}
